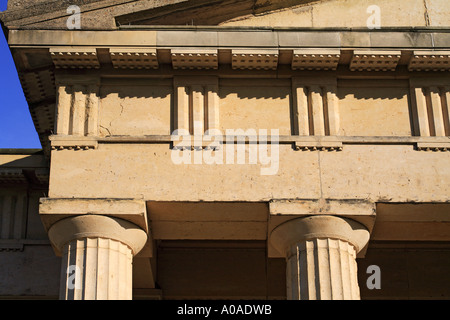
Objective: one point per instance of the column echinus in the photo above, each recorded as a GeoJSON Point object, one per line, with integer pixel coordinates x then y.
{"type": "Point", "coordinates": [97, 253]}
{"type": "Point", "coordinates": [321, 256]}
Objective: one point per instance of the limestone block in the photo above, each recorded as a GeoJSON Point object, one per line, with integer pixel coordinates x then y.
{"type": "Point", "coordinates": [438, 12]}
{"type": "Point", "coordinates": [407, 176]}
{"type": "Point", "coordinates": [395, 39]}
{"type": "Point", "coordinates": [310, 39]}
{"type": "Point", "coordinates": [441, 40]}
{"type": "Point", "coordinates": [350, 14]}
{"type": "Point", "coordinates": [366, 111]}
{"type": "Point", "coordinates": [137, 108]}
{"type": "Point", "coordinates": [255, 104]}
{"type": "Point", "coordinates": [351, 40]}
{"type": "Point", "coordinates": [115, 164]}
{"type": "Point", "coordinates": [355, 13]}
{"type": "Point", "coordinates": [176, 38]}
{"type": "Point", "coordinates": [254, 39]}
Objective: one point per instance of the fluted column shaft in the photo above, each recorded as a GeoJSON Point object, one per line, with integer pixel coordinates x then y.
{"type": "Point", "coordinates": [322, 269]}
{"type": "Point", "coordinates": [96, 269]}
{"type": "Point", "coordinates": [97, 256]}
{"type": "Point", "coordinates": [321, 256]}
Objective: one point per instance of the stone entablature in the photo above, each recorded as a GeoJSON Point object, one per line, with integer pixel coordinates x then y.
{"type": "Point", "coordinates": [351, 106]}
{"type": "Point", "coordinates": [217, 54]}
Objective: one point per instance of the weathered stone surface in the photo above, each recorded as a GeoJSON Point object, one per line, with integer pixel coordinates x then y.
{"type": "Point", "coordinates": [348, 142]}
{"type": "Point", "coordinates": [320, 256]}
{"type": "Point", "coordinates": [101, 270]}
{"type": "Point", "coordinates": [105, 14]}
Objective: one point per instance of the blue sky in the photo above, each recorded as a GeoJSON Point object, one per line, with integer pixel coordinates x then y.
{"type": "Point", "coordinates": [16, 127]}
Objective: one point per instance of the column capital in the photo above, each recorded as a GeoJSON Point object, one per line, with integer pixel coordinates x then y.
{"type": "Point", "coordinates": [283, 210]}
{"type": "Point", "coordinates": [298, 230]}
{"type": "Point", "coordinates": [96, 226]}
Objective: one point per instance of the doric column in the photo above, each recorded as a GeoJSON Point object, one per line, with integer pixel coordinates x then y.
{"type": "Point", "coordinates": [321, 256]}
{"type": "Point", "coordinates": [97, 253]}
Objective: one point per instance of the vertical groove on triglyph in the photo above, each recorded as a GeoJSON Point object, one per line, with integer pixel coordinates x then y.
{"type": "Point", "coordinates": [322, 269]}
{"type": "Point", "coordinates": [96, 269]}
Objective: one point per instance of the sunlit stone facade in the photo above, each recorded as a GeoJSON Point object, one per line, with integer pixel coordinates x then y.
{"type": "Point", "coordinates": [232, 150]}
